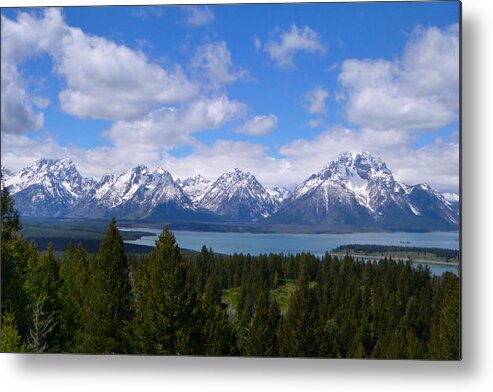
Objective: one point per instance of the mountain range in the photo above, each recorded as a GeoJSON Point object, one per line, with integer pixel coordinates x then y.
{"type": "Point", "coordinates": [355, 191]}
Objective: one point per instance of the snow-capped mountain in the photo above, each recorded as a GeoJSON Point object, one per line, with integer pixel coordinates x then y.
{"type": "Point", "coordinates": [355, 191]}
{"type": "Point", "coordinates": [135, 194]}
{"type": "Point", "coordinates": [278, 194]}
{"type": "Point", "coordinates": [451, 197]}
{"type": "Point", "coordinates": [359, 189]}
{"type": "Point", "coordinates": [195, 187]}
{"type": "Point", "coordinates": [48, 188]}
{"type": "Point", "coordinates": [238, 195]}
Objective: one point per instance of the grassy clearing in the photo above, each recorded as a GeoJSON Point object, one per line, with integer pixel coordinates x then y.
{"type": "Point", "coordinates": [281, 295]}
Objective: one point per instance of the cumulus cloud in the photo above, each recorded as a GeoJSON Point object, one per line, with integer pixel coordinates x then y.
{"type": "Point", "coordinates": [170, 127]}
{"type": "Point", "coordinates": [21, 39]}
{"type": "Point", "coordinates": [155, 109]}
{"type": "Point", "coordinates": [314, 100]}
{"type": "Point", "coordinates": [112, 82]}
{"type": "Point", "coordinates": [283, 49]}
{"type": "Point", "coordinates": [211, 161]}
{"type": "Point", "coordinates": [214, 61]}
{"type": "Point", "coordinates": [419, 91]}
{"type": "Point", "coordinates": [197, 16]}
{"type": "Point", "coordinates": [17, 106]}
{"type": "Point", "coordinates": [436, 163]}
{"type": "Point", "coordinates": [103, 80]}
{"type": "Point", "coordinates": [258, 125]}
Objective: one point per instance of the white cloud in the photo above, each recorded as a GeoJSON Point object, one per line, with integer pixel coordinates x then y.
{"type": "Point", "coordinates": [419, 91]}
{"type": "Point", "coordinates": [198, 16]}
{"type": "Point", "coordinates": [17, 106]}
{"type": "Point", "coordinates": [20, 39]}
{"type": "Point", "coordinates": [212, 161]}
{"type": "Point", "coordinates": [146, 12]}
{"type": "Point", "coordinates": [156, 109]}
{"type": "Point", "coordinates": [112, 82]}
{"type": "Point", "coordinates": [258, 125]}
{"type": "Point", "coordinates": [314, 100]}
{"type": "Point", "coordinates": [214, 61]}
{"type": "Point", "coordinates": [257, 43]}
{"type": "Point", "coordinates": [170, 127]}
{"type": "Point", "coordinates": [292, 41]}
{"type": "Point", "coordinates": [315, 122]}
{"type": "Point", "coordinates": [436, 163]}
{"type": "Point", "coordinates": [19, 151]}
{"type": "Point", "coordinates": [103, 80]}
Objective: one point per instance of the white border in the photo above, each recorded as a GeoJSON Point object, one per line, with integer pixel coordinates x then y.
{"type": "Point", "coordinates": [88, 373]}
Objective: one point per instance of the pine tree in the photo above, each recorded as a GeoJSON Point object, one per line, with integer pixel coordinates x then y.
{"type": "Point", "coordinates": [445, 334]}
{"type": "Point", "coordinates": [10, 216]}
{"type": "Point", "coordinates": [262, 341]}
{"type": "Point", "coordinates": [11, 340]}
{"type": "Point", "coordinates": [299, 330]}
{"type": "Point", "coordinates": [74, 273]}
{"type": "Point", "coordinates": [106, 309]}
{"type": "Point", "coordinates": [14, 253]}
{"type": "Point", "coordinates": [41, 285]}
{"type": "Point", "coordinates": [166, 306]}
{"type": "Point", "coordinates": [217, 331]}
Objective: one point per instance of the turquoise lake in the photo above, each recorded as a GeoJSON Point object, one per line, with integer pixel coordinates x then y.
{"type": "Point", "coordinates": [318, 244]}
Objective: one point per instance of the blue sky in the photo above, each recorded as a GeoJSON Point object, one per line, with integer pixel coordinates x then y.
{"type": "Point", "coordinates": [278, 90]}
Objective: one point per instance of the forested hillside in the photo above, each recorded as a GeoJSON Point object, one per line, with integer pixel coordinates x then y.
{"type": "Point", "coordinates": [167, 303]}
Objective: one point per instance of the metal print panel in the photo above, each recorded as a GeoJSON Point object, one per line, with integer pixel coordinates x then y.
{"type": "Point", "coordinates": [268, 180]}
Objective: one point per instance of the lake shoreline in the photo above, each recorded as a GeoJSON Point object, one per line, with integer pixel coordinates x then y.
{"type": "Point", "coordinates": [397, 258]}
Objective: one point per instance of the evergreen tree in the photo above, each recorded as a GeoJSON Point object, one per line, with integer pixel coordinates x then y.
{"type": "Point", "coordinates": [41, 285]}
{"type": "Point", "coordinates": [74, 273]}
{"type": "Point", "coordinates": [14, 253]}
{"type": "Point", "coordinates": [166, 306]}
{"type": "Point", "coordinates": [10, 216]}
{"type": "Point", "coordinates": [262, 341]}
{"type": "Point", "coordinates": [106, 309]}
{"type": "Point", "coordinates": [445, 334]}
{"type": "Point", "coordinates": [10, 341]}
{"type": "Point", "coordinates": [217, 331]}
{"type": "Point", "coordinates": [299, 330]}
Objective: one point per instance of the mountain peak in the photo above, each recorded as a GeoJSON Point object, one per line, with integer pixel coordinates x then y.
{"type": "Point", "coordinates": [236, 171]}
{"type": "Point", "coordinates": [239, 195]}
{"type": "Point", "coordinates": [358, 167]}
{"type": "Point", "coordinates": [45, 162]}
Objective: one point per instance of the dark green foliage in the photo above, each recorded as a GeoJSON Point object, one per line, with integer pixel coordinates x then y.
{"type": "Point", "coordinates": [445, 333]}
{"type": "Point", "coordinates": [74, 273]}
{"type": "Point", "coordinates": [11, 340]}
{"type": "Point", "coordinates": [10, 216]}
{"type": "Point", "coordinates": [106, 308]}
{"type": "Point", "coordinates": [299, 331]}
{"type": "Point", "coordinates": [41, 285]}
{"type": "Point", "coordinates": [448, 254]}
{"type": "Point", "coordinates": [170, 302]}
{"type": "Point", "coordinates": [262, 340]}
{"type": "Point", "coordinates": [218, 334]}
{"type": "Point", "coordinates": [13, 259]}
{"type": "Point", "coordinates": [166, 304]}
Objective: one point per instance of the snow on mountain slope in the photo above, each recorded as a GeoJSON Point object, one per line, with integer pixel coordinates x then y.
{"type": "Point", "coordinates": [278, 194]}
{"type": "Point", "coordinates": [356, 190]}
{"type": "Point", "coordinates": [195, 187]}
{"type": "Point", "coordinates": [239, 196]}
{"type": "Point", "coordinates": [359, 189]}
{"type": "Point", "coordinates": [48, 187]}
{"type": "Point", "coordinates": [451, 197]}
{"type": "Point", "coordinates": [135, 193]}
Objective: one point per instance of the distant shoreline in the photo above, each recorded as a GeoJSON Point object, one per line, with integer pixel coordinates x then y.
{"type": "Point", "coordinates": [395, 258]}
